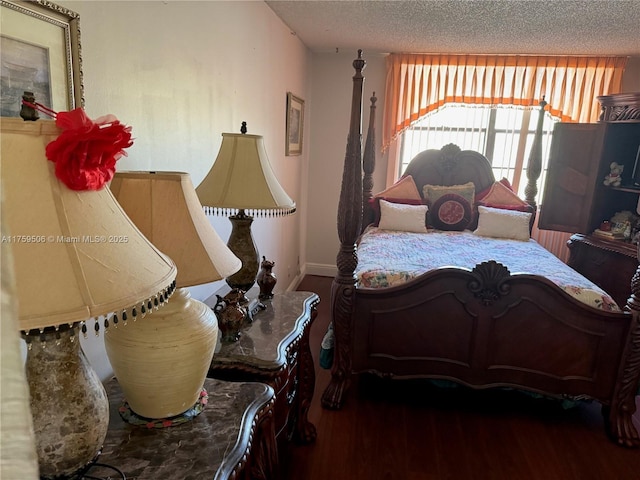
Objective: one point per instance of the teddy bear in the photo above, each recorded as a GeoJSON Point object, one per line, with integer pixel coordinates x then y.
{"type": "Point", "coordinates": [614, 177]}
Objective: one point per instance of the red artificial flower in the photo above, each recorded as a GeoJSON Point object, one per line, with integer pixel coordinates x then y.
{"type": "Point", "coordinates": [86, 152]}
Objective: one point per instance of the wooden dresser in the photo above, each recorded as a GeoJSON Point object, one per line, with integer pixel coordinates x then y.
{"type": "Point", "coordinates": [610, 264]}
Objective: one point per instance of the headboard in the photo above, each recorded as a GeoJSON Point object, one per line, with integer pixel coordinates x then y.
{"type": "Point", "coordinates": [450, 166]}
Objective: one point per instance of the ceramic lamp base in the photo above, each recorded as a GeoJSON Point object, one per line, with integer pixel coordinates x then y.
{"type": "Point", "coordinates": [161, 360]}
{"type": "Point", "coordinates": [69, 405]}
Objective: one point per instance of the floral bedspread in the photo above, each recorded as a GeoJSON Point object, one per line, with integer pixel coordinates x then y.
{"type": "Point", "coordinates": [388, 258]}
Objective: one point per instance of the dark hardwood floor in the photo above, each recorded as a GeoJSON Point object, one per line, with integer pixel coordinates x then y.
{"type": "Point", "coordinates": [411, 430]}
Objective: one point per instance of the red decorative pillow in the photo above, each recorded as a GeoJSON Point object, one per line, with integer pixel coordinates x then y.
{"type": "Point", "coordinates": [403, 188]}
{"type": "Point", "coordinates": [519, 208]}
{"type": "Point", "coordinates": [375, 205]}
{"type": "Point", "coordinates": [451, 212]}
{"type": "Point", "coordinates": [499, 194]}
{"type": "Point", "coordinates": [505, 183]}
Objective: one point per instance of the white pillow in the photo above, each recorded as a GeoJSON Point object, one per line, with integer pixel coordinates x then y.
{"type": "Point", "coordinates": [502, 223]}
{"type": "Point", "coordinates": [403, 217]}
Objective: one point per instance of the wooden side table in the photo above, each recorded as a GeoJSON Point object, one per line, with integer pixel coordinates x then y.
{"type": "Point", "coordinates": [274, 349]}
{"type": "Point", "coordinates": [233, 438]}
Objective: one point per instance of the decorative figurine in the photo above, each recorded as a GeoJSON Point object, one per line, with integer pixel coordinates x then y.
{"type": "Point", "coordinates": [614, 177]}
{"type": "Point", "coordinates": [266, 279]}
{"type": "Point", "coordinates": [27, 112]}
{"type": "Point", "coordinates": [231, 316]}
{"type": "Point", "coordinates": [237, 295]}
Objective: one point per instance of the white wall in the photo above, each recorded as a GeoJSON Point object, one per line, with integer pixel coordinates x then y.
{"type": "Point", "coordinates": [332, 86]}
{"type": "Point", "coordinates": [181, 73]}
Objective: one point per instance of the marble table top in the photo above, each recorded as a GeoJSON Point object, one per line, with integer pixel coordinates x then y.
{"type": "Point", "coordinates": [190, 451]}
{"type": "Point", "coordinates": [262, 341]}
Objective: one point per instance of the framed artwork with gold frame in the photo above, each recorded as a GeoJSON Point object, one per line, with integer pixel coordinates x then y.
{"type": "Point", "coordinates": [40, 43]}
{"type": "Point", "coordinates": [295, 119]}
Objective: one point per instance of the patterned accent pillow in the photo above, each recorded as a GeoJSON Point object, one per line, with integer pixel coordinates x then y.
{"type": "Point", "coordinates": [402, 217]}
{"type": "Point", "coordinates": [433, 192]}
{"type": "Point", "coordinates": [451, 212]}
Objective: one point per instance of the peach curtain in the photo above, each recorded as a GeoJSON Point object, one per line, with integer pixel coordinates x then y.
{"type": "Point", "coordinates": [418, 84]}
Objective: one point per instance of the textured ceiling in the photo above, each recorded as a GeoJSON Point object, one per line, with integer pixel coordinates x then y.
{"type": "Point", "coordinates": [552, 27]}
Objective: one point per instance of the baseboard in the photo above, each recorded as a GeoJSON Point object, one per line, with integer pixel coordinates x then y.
{"type": "Point", "coordinates": [296, 281]}
{"type": "Point", "coordinates": [322, 270]}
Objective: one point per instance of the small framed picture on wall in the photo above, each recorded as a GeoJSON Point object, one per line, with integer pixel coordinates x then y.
{"type": "Point", "coordinates": [40, 44]}
{"type": "Point", "coordinates": [295, 118]}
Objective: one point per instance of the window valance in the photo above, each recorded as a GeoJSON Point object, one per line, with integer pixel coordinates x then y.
{"type": "Point", "coordinates": [417, 84]}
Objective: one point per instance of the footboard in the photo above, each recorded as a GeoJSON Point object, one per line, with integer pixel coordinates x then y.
{"type": "Point", "coordinates": [487, 328]}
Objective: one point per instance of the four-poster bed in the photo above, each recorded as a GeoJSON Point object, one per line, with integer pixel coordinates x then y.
{"type": "Point", "coordinates": [482, 326]}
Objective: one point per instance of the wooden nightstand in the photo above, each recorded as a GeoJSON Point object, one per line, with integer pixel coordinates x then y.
{"type": "Point", "coordinates": [233, 438]}
{"type": "Point", "coordinates": [274, 349]}
{"type": "Point", "coordinates": [610, 264]}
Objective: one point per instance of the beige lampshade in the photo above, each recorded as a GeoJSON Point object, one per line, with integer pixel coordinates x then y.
{"type": "Point", "coordinates": [242, 178]}
{"type": "Point", "coordinates": [77, 255]}
{"type": "Point", "coordinates": [166, 209]}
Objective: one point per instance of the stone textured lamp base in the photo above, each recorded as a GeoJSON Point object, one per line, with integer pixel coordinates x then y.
{"type": "Point", "coordinates": [69, 405]}
{"type": "Point", "coordinates": [242, 245]}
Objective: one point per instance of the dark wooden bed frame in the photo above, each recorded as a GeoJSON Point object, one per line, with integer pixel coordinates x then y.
{"type": "Point", "coordinates": [482, 327]}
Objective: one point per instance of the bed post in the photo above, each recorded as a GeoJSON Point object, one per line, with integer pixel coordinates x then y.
{"type": "Point", "coordinates": [623, 404]}
{"type": "Point", "coordinates": [534, 167]}
{"type": "Point", "coordinates": [369, 165]}
{"type": "Point", "coordinates": [349, 227]}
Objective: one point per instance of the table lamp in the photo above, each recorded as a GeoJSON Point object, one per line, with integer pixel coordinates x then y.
{"type": "Point", "coordinates": [77, 257]}
{"type": "Point", "coordinates": [161, 364]}
{"type": "Point", "coordinates": [241, 183]}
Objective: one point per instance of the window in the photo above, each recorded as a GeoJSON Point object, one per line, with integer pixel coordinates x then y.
{"type": "Point", "coordinates": [504, 134]}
